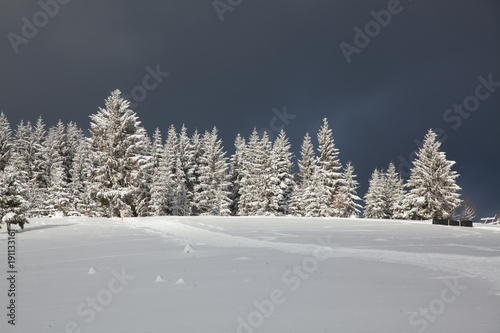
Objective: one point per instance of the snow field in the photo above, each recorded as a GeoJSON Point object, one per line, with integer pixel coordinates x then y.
{"type": "Point", "coordinates": [252, 274]}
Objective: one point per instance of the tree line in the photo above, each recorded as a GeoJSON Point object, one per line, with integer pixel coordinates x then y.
{"type": "Point", "coordinates": [119, 168]}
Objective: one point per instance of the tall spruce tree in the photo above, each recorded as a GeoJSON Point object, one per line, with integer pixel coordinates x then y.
{"type": "Point", "coordinates": [13, 205]}
{"type": "Point", "coordinates": [307, 166]}
{"type": "Point", "coordinates": [184, 167]}
{"type": "Point", "coordinates": [329, 164]}
{"type": "Point", "coordinates": [316, 197]}
{"type": "Point", "coordinates": [253, 186]}
{"type": "Point", "coordinates": [197, 151]}
{"type": "Point", "coordinates": [119, 146]}
{"type": "Point", "coordinates": [74, 136]}
{"type": "Point", "coordinates": [163, 187]}
{"type": "Point", "coordinates": [53, 182]}
{"type": "Point", "coordinates": [211, 194]}
{"type": "Point", "coordinates": [81, 183]}
{"type": "Point", "coordinates": [394, 194]}
{"type": "Point", "coordinates": [26, 158]}
{"type": "Point", "coordinates": [5, 141]}
{"type": "Point", "coordinates": [236, 165]}
{"type": "Point", "coordinates": [375, 201]}
{"type": "Point", "coordinates": [433, 190]}
{"type": "Point", "coordinates": [348, 193]}
{"type": "Point", "coordinates": [282, 175]}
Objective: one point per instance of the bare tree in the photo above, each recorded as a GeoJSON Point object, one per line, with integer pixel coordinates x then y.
{"type": "Point", "coordinates": [467, 210]}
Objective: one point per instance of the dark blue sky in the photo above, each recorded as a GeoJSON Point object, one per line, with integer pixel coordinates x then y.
{"type": "Point", "coordinates": [264, 56]}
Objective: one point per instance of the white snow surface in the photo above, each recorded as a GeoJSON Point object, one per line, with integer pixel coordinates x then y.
{"type": "Point", "coordinates": [252, 274]}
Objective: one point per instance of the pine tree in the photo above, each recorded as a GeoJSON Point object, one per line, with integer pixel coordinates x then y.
{"type": "Point", "coordinates": [142, 201]}
{"type": "Point", "coordinates": [348, 193]}
{"type": "Point", "coordinates": [38, 177]}
{"type": "Point", "coordinates": [156, 148]}
{"type": "Point", "coordinates": [74, 138]}
{"type": "Point", "coordinates": [329, 163]}
{"type": "Point", "coordinates": [163, 187]}
{"type": "Point", "coordinates": [307, 165]}
{"type": "Point", "coordinates": [375, 201]}
{"type": "Point", "coordinates": [307, 162]}
{"type": "Point", "coordinates": [255, 168]}
{"type": "Point", "coordinates": [316, 196]}
{"type": "Point", "coordinates": [13, 205]}
{"type": "Point", "coordinates": [268, 179]}
{"type": "Point", "coordinates": [183, 175]}
{"type": "Point", "coordinates": [282, 176]}
{"type": "Point", "coordinates": [21, 158]}
{"type": "Point", "coordinates": [197, 151]}
{"type": "Point", "coordinates": [433, 190]}
{"type": "Point", "coordinates": [157, 204]}
{"type": "Point", "coordinates": [25, 158]}
{"type": "Point", "coordinates": [119, 147]}
{"type": "Point", "coordinates": [52, 180]}
{"type": "Point", "coordinates": [81, 184]}
{"type": "Point", "coordinates": [5, 141]}
{"type": "Point", "coordinates": [237, 160]}
{"type": "Point", "coordinates": [211, 194]}
{"type": "Point", "coordinates": [394, 194]}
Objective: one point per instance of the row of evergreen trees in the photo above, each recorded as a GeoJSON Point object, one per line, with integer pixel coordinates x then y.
{"type": "Point", "coordinates": [119, 168]}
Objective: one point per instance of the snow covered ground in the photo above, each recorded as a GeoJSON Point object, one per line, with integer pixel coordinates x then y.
{"type": "Point", "coordinates": [213, 274]}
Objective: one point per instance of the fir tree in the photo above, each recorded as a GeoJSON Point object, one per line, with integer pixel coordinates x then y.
{"type": "Point", "coordinates": [163, 186]}
{"type": "Point", "coordinates": [142, 200]}
{"type": "Point", "coordinates": [211, 194]}
{"type": "Point", "coordinates": [316, 196]}
{"type": "Point", "coordinates": [433, 190]}
{"type": "Point", "coordinates": [13, 205]}
{"type": "Point", "coordinates": [80, 186]}
{"type": "Point", "coordinates": [5, 141]}
{"type": "Point", "coordinates": [253, 185]}
{"type": "Point", "coordinates": [74, 138]}
{"type": "Point", "coordinates": [119, 147]}
{"type": "Point", "coordinates": [237, 160]}
{"type": "Point", "coordinates": [268, 180]}
{"type": "Point", "coordinates": [197, 151]}
{"type": "Point", "coordinates": [52, 181]}
{"type": "Point", "coordinates": [282, 180]}
{"type": "Point", "coordinates": [156, 148]}
{"type": "Point", "coordinates": [307, 166]}
{"type": "Point", "coordinates": [38, 173]}
{"type": "Point", "coordinates": [183, 175]}
{"type": "Point", "coordinates": [394, 194]}
{"type": "Point", "coordinates": [375, 197]}
{"type": "Point", "coordinates": [329, 163]}
{"type": "Point", "coordinates": [26, 158]}
{"type": "Point", "coordinates": [348, 193]}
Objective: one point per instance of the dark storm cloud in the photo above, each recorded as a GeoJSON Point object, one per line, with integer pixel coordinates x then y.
{"type": "Point", "coordinates": [267, 55]}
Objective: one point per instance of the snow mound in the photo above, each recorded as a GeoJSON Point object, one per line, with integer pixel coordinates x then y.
{"type": "Point", "coordinates": [92, 270]}
{"type": "Point", "coordinates": [242, 258]}
{"type": "Point", "coordinates": [159, 278]}
{"type": "Point", "coordinates": [188, 248]}
{"type": "Point", "coordinates": [9, 217]}
{"type": "Point", "coordinates": [58, 215]}
{"type": "Point", "coordinates": [180, 281]}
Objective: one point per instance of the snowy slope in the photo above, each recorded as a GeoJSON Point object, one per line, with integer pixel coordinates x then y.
{"type": "Point", "coordinates": [213, 274]}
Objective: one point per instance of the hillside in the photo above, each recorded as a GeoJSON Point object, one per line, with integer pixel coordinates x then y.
{"type": "Point", "coordinates": [252, 274]}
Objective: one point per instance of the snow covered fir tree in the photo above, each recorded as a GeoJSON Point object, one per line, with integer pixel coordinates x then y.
{"type": "Point", "coordinates": [118, 169]}
{"type": "Point", "coordinates": [433, 190]}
